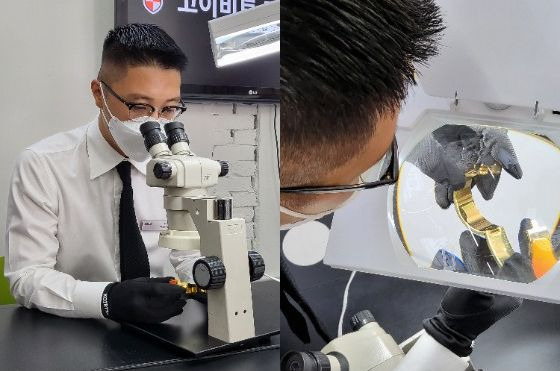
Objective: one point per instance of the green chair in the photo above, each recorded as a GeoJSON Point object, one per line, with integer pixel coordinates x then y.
{"type": "Point", "coordinates": [5, 296]}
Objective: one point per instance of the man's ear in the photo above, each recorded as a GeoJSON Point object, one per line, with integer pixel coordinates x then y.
{"type": "Point", "coordinates": [96, 92]}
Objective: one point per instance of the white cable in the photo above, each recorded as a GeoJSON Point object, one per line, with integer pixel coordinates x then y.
{"type": "Point", "coordinates": [344, 303]}
{"type": "Point", "coordinates": [272, 278]}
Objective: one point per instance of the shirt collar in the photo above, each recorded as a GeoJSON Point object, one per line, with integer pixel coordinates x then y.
{"type": "Point", "coordinates": [102, 157]}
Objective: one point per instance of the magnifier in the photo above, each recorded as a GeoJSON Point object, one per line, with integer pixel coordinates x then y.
{"type": "Point", "coordinates": [419, 220]}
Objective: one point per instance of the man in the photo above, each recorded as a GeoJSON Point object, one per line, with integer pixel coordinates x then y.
{"type": "Point", "coordinates": [346, 67]}
{"type": "Point", "coordinates": [75, 248]}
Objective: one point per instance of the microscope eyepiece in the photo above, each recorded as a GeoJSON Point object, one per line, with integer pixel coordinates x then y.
{"type": "Point", "coordinates": [175, 133]}
{"type": "Point", "coordinates": [305, 361]}
{"type": "Point", "coordinates": [146, 127]}
{"type": "Point", "coordinates": [151, 131]}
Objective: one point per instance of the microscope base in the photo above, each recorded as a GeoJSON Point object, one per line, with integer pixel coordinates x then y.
{"type": "Point", "coordinates": [189, 331]}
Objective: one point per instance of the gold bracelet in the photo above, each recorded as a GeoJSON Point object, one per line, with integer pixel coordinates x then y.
{"type": "Point", "coordinates": [470, 215]}
{"type": "Point", "coordinates": [190, 288]}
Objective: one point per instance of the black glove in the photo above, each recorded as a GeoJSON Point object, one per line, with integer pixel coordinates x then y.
{"type": "Point", "coordinates": [518, 268]}
{"type": "Point", "coordinates": [465, 314]}
{"type": "Point", "coordinates": [446, 154]}
{"type": "Point", "coordinates": [145, 300]}
{"type": "Point", "coordinates": [479, 260]}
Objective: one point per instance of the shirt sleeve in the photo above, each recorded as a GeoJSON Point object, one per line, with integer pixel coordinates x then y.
{"type": "Point", "coordinates": [32, 247]}
{"type": "Point", "coordinates": [428, 355]}
{"type": "Point", "coordinates": [183, 261]}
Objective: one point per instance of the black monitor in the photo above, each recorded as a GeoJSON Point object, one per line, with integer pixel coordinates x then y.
{"type": "Point", "coordinates": [186, 21]}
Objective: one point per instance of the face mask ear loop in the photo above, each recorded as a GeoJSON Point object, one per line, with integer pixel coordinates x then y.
{"type": "Point", "coordinates": [106, 105]}
{"type": "Point", "coordinates": [294, 214]}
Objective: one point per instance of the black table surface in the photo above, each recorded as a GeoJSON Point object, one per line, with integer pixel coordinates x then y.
{"type": "Point", "coordinates": [33, 340]}
{"type": "Point", "coordinates": [189, 330]}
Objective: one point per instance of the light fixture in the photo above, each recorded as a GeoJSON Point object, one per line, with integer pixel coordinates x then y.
{"type": "Point", "coordinates": [246, 35]}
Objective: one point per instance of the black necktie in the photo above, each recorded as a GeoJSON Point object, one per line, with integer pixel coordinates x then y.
{"type": "Point", "coordinates": [134, 258]}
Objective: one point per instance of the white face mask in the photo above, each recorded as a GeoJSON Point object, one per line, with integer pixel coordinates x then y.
{"type": "Point", "coordinates": [127, 133]}
{"type": "Point", "coordinates": [309, 217]}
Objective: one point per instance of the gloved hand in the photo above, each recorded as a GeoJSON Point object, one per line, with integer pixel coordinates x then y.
{"type": "Point", "coordinates": [201, 297]}
{"type": "Point", "coordinates": [465, 314]}
{"type": "Point", "coordinates": [198, 295]}
{"type": "Point", "coordinates": [143, 300]}
{"type": "Point", "coordinates": [450, 151]}
{"type": "Point", "coordinates": [518, 268]}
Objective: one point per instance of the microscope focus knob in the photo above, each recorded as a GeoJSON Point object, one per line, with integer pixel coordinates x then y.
{"type": "Point", "coordinates": [256, 265]}
{"type": "Point", "coordinates": [163, 170]}
{"type": "Point", "coordinates": [224, 168]}
{"type": "Point", "coordinates": [361, 319]}
{"type": "Point", "coordinates": [209, 273]}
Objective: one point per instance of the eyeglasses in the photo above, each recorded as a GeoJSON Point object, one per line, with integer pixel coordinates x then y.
{"type": "Point", "coordinates": [139, 110]}
{"type": "Point", "coordinates": [370, 179]}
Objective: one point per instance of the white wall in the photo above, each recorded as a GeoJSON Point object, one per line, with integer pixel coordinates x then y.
{"type": "Point", "coordinates": [243, 135]}
{"type": "Point", "coordinates": [268, 187]}
{"type": "Point", "coordinates": [50, 53]}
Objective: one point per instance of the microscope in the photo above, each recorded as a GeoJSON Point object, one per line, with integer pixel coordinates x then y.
{"type": "Point", "coordinates": [367, 348]}
{"type": "Point", "coordinates": [199, 221]}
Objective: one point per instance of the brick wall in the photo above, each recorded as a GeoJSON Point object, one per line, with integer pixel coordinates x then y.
{"type": "Point", "coordinates": [234, 138]}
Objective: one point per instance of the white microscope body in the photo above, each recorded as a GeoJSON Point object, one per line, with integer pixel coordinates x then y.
{"type": "Point", "coordinates": [198, 221]}
{"type": "Point", "coordinates": [370, 348]}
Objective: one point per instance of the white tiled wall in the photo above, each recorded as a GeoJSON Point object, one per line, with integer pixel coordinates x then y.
{"type": "Point", "coordinates": [230, 132]}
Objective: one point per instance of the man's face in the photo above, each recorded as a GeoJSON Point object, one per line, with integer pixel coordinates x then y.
{"type": "Point", "coordinates": [153, 85]}
{"type": "Point", "coordinates": [349, 173]}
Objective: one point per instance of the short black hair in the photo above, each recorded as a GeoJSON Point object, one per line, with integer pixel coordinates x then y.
{"type": "Point", "coordinates": [138, 44]}
{"type": "Point", "coordinates": [345, 63]}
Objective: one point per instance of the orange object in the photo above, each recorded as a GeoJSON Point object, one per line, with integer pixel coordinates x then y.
{"type": "Point", "coordinates": [173, 281]}
{"type": "Point", "coordinates": [542, 256]}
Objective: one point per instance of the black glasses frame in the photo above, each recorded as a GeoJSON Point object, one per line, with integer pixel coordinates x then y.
{"type": "Point", "coordinates": [182, 108]}
{"type": "Point", "coordinates": [391, 176]}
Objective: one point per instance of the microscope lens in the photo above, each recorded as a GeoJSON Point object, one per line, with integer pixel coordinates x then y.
{"type": "Point", "coordinates": [305, 361]}
{"type": "Point", "coordinates": [151, 131]}
{"type": "Point", "coordinates": [175, 133]}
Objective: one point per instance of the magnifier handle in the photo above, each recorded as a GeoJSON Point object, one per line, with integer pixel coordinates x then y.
{"type": "Point", "coordinates": [542, 256]}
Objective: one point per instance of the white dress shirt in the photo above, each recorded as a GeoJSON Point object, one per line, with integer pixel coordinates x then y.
{"type": "Point", "coordinates": [62, 232]}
